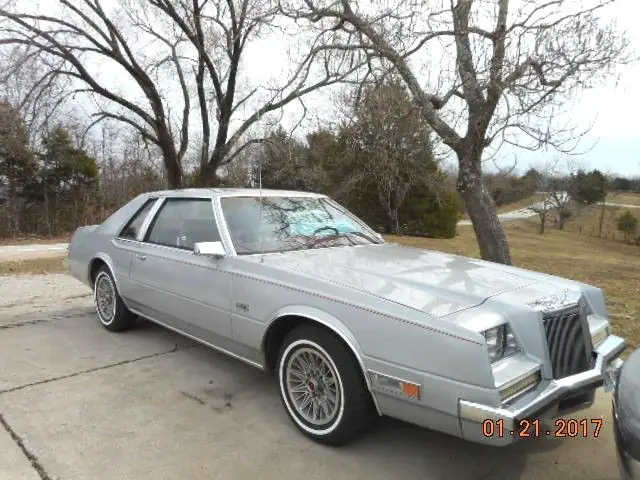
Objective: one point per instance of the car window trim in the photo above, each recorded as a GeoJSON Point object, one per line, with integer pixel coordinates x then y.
{"type": "Point", "coordinates": [144, 204]}
{"type": "Point", "coordinates": [147, 220]}
{"type": "Point", "coordinates": [223, 228]}
{"type": "Point", "coordinates": [155, 211]}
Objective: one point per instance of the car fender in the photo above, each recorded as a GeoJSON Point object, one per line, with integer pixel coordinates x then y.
{"type": "Point", "coordinates": [108, 261]}
{"type": "Point", "coordinates": [333, 324]}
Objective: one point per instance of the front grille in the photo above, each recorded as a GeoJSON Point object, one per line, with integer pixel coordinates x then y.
{"type": "Point", "coordinates": [567, 333]}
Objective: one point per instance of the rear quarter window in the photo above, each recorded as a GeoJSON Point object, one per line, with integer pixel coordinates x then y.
{"type": "Point", "coordinates": [133, 226]}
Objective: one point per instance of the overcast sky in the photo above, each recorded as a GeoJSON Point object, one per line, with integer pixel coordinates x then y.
{"type": "Point", "coordinates": [611, 109]}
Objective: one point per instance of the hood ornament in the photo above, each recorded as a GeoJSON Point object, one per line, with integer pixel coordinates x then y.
{"type": "Point", "coordinates": [557, 301]}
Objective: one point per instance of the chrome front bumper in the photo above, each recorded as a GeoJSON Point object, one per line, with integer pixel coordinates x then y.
{"type": "Point", "coordinates": [540, 403]}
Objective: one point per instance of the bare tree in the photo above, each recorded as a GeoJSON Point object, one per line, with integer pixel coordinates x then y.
{"type": "Point", "coordinates": [171, 57]}
{"type": "Point", "coordinates": [549, 179]}
{"type": "Point", "coordinates": [542, 208]}
{"type": "Point", "coordinates": [391, 145]}
{"type": "Point", "coordinates": [562, 201]}
{"type": "Point", "coordinates": [37, 95]}
{"type": "Point", "coordinates": [504, 69]}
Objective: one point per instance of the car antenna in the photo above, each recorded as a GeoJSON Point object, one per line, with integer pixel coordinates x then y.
{"type": "Point", "coordinates": [261, 158]}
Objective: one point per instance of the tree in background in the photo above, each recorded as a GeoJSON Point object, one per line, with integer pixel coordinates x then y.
{"type": "Point", "coordinates": [65, 173]}
{"type": "Point", "coordinates": [17, 165]}
{"type": "Point", "coordinates": [556, 187]}
{"type": "Point", "coordinates": [390, 144]}
{"type": "Point", "coordinates": [628, 225]}
{"type": "Point", "coordinates": [160, 47]}
{"type": "Point", "coordinates": [589, 188]}
{"type": "Point", "coordinates": [507, 188]}
{"type": "Point", "coordinates": [506, 67]}
{"type": "Point", "coordinates": [626, 184]}
{"type": "Point", "coordinates": [379, 164]}
{"type": "Point", "coordinates": [531, 179]}
{"type": "Point", "coordinates": [431, 213]}
{"type": "Point", "coordinates": [283, 163]}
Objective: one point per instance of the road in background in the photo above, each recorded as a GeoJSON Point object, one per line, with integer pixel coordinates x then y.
{"type": "Point", "coordinates": [21, 252]}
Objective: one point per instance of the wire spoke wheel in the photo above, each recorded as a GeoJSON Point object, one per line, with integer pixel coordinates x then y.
{"type": "Point", "coordinates": [105, 298]}
{"type": "Point", "coordinates": [313, 386]}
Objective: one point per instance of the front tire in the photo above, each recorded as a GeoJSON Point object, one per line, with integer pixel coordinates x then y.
{"type": "Point", "coordinates": [321, 386]}
{"type": "Point", "coordinates": [111, 310]}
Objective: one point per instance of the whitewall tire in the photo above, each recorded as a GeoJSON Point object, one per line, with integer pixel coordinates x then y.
{"type": "Point", "coordinates": [110, 309]}
{"type": "Point", "coordinates": [321, 386]}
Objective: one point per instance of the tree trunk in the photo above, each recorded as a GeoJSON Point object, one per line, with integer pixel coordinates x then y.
{"type": "Point", "coordinates": [394, 224]}
{"type": "Point", "coordinates": [207, 176]}
{"type": "Point", "coordinates": [490, 235]}
{"type": "Point", "coordinates": [174, 174]}
{"type": "Point", "coordinates": [543, 219]}
{"type": "Point", "coordinates": [601, 219]}
{"type": "Point", "coordinates": [47, 210]}
{"type": "Point", "coordinates": [561, 220]}
{"type": "Point", "coordinates": [172, 165]}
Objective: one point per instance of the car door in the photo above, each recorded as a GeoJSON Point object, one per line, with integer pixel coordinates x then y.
{"type": "Point", "coordinates": [173, 285]}
{"type": "Point", "coordinates": [128, 237]}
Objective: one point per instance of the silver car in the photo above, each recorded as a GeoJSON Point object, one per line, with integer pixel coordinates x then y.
{"type": "Point", "coordinates": [352, 326]}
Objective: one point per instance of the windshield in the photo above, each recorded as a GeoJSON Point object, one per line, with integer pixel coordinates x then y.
{"type": "Point", "coordinates": [279, 224]}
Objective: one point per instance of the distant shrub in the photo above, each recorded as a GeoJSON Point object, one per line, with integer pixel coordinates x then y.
{"type": "Point", "coordinates": [628, 225]}
{"type": "Point", "coordinates": [505, 189]}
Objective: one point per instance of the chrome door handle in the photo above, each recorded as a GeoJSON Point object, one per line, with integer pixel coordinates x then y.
{"type": "Point", "coordinates": [141, 256]}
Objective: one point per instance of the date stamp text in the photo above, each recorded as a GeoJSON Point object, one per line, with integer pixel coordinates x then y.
{"type": "Point", "coordinates": [534, 428]}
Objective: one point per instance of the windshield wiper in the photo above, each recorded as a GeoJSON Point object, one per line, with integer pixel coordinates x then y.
{"type": "Point", "coordinates": [339, 234]}
{"type": "Point", "coordinates": [362, 235]}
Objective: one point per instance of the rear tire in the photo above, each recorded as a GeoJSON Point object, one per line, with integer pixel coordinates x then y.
{"type": "Point", "coordinates": [111, 310]}
{"type": "Point", "coordinates": [322, 387]}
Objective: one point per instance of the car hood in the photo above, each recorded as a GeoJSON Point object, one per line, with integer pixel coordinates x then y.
{"type": "Point", "coordinates": [436, 283]}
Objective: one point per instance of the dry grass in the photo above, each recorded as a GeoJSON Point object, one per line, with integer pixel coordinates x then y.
{"type": "Point", "coordinates": [34, 266]}
{"type": "Point", "coordinates": [612, 266]}
{"type": "Point", "coordinates": [587, 222]}
{"type": "Point", "coordinates": [624, 198]}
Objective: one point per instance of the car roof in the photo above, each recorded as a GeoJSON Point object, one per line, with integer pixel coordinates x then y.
{"type": "Point", "coordinates": [232, 192]}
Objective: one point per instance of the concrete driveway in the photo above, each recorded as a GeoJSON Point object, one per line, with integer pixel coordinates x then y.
{"type": "Point", "coordinates": [78, 402]}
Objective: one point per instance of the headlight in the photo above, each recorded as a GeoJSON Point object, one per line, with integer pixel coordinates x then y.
{"type": "Point", "coordinates": [501, 342]}
{"type": "Point", "coordinates": [599, 335]}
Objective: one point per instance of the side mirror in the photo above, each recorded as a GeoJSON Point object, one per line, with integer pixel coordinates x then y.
{"type": "Point", "coordinates": [209, 249]}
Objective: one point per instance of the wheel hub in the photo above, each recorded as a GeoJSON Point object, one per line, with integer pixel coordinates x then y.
{"type": "Point", "coordinates": [312, 386]}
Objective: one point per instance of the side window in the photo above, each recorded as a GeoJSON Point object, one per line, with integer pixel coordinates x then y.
{"type": "Point", "coordinates": [132, 228]}
{"type": "Point", "coordinates": [183, 222]}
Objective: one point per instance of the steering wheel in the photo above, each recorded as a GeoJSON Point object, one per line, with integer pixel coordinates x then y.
{"type": "Point", "coordinates": [326, 227]}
